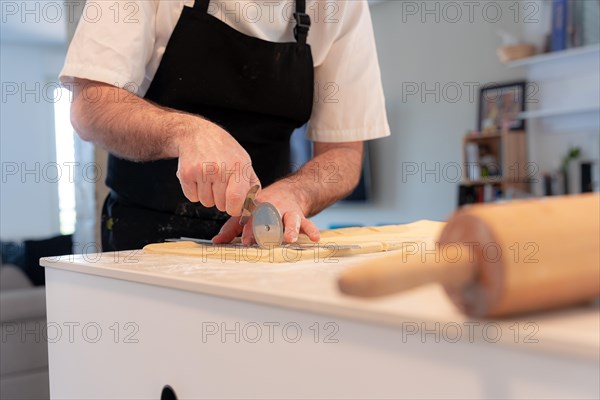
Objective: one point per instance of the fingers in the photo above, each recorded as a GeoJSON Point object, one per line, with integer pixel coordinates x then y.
{"type": "Point", "coordinates": [190, 191]}
{"type": "Point", "coordinates": [311, 230]}
{"type": "Point", "coordinates": [236, 192]}
{"type": "Point", "coordinates": [205, 193]}
{"type": "Point", "coordinates": [225, 191]}
{"type": "Point", "coordinates": [205, 177]}
{"type": "Point", "coordinates": [247, 235]}
{"type": "Point", "coordinates": [188, 184]}
{"type": "Point", "coordinates": [252, 178]}
{"type": "Point", "coordinates": [293, 223]}
{"type": "Point", "coordinates": [230, 230]}
{"type": "Point", "coordinates": [214, 169]}
{"type": "Point", "coordinates": [291, 226]}
{"type": "Point", "coordinates": [219, 189]}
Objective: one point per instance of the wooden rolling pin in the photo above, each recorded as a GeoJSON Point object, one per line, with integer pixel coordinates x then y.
{"type": "Point", "coordinates": [500, 259]}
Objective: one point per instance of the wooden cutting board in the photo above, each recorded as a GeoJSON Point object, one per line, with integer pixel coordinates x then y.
{"type": "Point", "coordinates": [368, 239]}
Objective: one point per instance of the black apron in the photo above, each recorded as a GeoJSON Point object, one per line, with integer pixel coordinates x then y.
{"type": "Point", "coordinates": [256, 90]}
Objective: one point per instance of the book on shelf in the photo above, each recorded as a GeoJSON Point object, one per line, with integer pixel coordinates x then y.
{"type": "Point", "coordinates": [558, 34]}
{"type": "Point", "coordinates": [575, 23]}
{"type": "Point", "coordinates": [473, 168]}
{"type": "Point", "coordinates": [488, 193]}
{"type": "Point", "coordinates": [471, 194]}
{"type": "Point", "coordinates": [573, 34]}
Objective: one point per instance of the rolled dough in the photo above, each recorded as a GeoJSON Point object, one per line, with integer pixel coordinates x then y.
{"type": "Point", "coordinates": [370, 239]}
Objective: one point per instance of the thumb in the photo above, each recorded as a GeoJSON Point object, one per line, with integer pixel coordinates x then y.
{"type": "Point", "coordinates": [230, 230]}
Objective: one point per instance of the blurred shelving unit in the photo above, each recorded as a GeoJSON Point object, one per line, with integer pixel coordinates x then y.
{"type": "Point", "coordinates": [563, 109]}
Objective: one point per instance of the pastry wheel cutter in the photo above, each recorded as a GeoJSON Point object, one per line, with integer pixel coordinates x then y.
{"type": "Point", "coordinates": [267, 227]}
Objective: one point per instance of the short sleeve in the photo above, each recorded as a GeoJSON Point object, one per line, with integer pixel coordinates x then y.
{"type": "Point", "coordinates": [113, 43]}
{"type": "Point", "coordinates": [349, 101]}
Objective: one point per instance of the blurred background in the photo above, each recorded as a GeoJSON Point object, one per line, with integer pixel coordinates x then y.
{"type": "Point", "coordinates": [435, 58]}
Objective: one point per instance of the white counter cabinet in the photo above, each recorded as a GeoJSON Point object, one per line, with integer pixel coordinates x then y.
{"type": "Point", "coordinates": [124, 325]}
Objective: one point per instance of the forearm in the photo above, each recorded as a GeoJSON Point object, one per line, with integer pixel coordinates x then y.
{"type": "Point", "coordinates": [127, 125]}
{"type": "Point", "coordinates": [138, 130]}
{"type": "Point", "coordinates": [329, 176]}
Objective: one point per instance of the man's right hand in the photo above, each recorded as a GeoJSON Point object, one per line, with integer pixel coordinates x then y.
{"type": "Point", "coordinates": [213, 168]}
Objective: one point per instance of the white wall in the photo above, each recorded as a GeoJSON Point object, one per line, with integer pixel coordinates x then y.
{"type": "Point", "coordinates": [28, 201]}
{"type": "Point", "coordinates": [427, 132]}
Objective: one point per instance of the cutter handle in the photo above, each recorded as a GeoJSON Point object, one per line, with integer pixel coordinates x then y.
{"type": "Point", "coordinates": [249, 205]}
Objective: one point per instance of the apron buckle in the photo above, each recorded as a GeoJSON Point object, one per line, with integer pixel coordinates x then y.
{"type": "Point", "coordinates": [302, 26]}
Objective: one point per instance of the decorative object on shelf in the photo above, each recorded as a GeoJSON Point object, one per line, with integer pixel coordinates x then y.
{"type": "Point", "coordinates": [554, 184]}
{"type": "Point", "coordinates": [512, 49]}
{"type": "Point", "coordinates": [589, 182]}
{"type": "Point", "coordinates": [489, 162]}
{"type": "Point", "coordinates": [516, 52]}
{"type": "Point", "coordinates": [558, 182]}
{"type": "Point", "coordinates": [572, 154]}
{"type": "Point", "coordinates": [500, 106]}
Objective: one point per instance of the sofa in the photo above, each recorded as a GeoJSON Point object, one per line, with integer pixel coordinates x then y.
{"type": "Point", "coordinates": [23, 346]}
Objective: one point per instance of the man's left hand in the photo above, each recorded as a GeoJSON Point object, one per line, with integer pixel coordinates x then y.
{"type": "Point", "coordinates": [288, 203]}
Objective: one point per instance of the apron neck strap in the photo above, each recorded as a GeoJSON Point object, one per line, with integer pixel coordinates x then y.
{"type": "Point", "coordinates": [302, 22]}
{"type": "Point", "coordinates": [302, 19]}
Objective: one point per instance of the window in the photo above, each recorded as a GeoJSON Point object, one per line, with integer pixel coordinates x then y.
{"type": "Point", "coordinates": [65, 158]}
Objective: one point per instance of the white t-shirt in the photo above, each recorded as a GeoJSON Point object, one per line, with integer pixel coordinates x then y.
{"type": "Point", "coordinates": [121, 42]}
